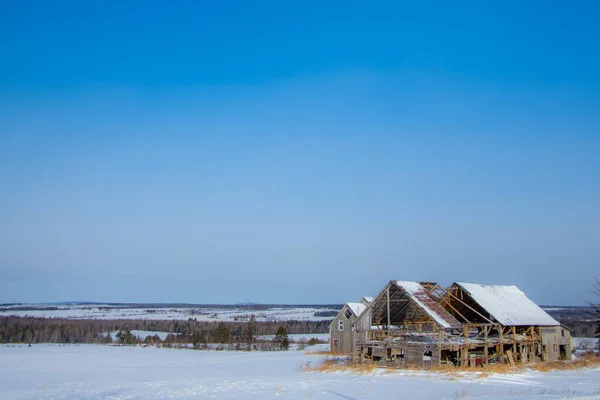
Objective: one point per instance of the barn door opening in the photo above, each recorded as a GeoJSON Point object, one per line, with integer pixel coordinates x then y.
{"type": "Point", "coordinates": [563, 352]}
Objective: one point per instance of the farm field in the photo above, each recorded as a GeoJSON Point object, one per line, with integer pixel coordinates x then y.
{"type": "Point", "coordinates": [199, 313]}
{"type": "Point", "coordinates": [112, 372]}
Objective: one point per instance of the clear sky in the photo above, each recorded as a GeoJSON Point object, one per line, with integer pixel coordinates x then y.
{"type": "Point", "coordinates": [297, 152]}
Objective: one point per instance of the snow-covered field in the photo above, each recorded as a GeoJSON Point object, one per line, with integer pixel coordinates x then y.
{"type": "Point", "coordinates": [103, 311]}
{"type": "Point", "coordinates": [110, 372]}
{"type": "Point", "coordinates": [294, 337]}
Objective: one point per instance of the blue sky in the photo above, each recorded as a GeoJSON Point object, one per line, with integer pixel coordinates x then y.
{"type": "Point", "coordinates": [297, 152]}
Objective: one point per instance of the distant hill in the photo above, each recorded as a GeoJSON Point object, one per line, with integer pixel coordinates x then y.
{"type": "Point", "coordinates": [570, 312]}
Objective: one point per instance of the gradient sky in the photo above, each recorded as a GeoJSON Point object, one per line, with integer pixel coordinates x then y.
{"type": "Point", "coordinates": [297, 152]}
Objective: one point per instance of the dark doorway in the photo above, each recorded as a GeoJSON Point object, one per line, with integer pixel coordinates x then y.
{"type": "Point", "coordinates": [563, 352]}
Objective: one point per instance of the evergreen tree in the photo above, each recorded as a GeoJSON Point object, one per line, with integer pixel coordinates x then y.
{"type": "Point", "coordinates": [222, 334]}
{"type": "Point", "coordinates": [197, 338]}
{"type": "Point", "coordinates": [281, 338]}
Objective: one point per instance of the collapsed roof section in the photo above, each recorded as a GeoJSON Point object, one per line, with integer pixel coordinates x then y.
{"type": "Point", "coordinates": [403, 303]}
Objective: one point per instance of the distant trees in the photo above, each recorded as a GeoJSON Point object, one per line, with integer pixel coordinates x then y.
{"type": "Point", "coordinates": [126, 337]}
{"type": "Point", "coordinates": [281, 338]}
{"type": "Point", "coordinates": [60, 330]}
{"type": "Point", "coordinates": [151, 339]}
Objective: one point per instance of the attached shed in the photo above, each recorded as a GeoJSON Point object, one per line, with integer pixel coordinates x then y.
{"type": "Point", "coordinates": [556, 343]}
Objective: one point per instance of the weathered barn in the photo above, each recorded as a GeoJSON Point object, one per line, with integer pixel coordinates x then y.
{"type": "Point", "coordinates": [412, 323]}
{"type": "Point", "coordinates": [406, 327]}
{"type": "Point", "coordinates": [341, 332]}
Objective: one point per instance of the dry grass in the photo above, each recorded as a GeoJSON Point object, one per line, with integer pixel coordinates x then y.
{"type": "Point", "coordinates": [325, 353]}
{"type": "Point", "coordinates": [338, 363]}
{"type": "Point", "coordinates": [586, 361]}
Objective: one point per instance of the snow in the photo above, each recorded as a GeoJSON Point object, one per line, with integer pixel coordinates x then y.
{"type": "Point", "coordinates": [115, 372]}
{"type": "Point", "coordinates": [356, 308]}
{"type": "Point", "coordinates": [296, 337]}
{"type": "Point", "coordinates": [508, 305]}
{"type": "Point", "coordinates": [103, 311]}
{"type": "Point", "coordinates": [418, 293]}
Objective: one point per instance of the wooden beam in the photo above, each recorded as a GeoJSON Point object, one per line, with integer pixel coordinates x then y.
{"type": "Point", "coordinates": [501, 332]}
{"type": "Point", "coordinates": [514, 333]}
{"type": "Point", "coordinates": [405, 306]}
{"type": "Point", "coordinates": [454, 309]}
{"type": "Point", "coordinates": [388, 307]}
{"type": "Point", "coordinates": [510, 357]}
{"type": "Point", "coordinates": [486, 358]}
{"type": "Point", "coordinates": [471, 308]}
{"type": "Point", "coordinates": [466, 348]}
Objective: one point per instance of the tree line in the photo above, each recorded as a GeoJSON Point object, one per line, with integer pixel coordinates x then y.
{"type": "Point", "coordinates": [59, 330]}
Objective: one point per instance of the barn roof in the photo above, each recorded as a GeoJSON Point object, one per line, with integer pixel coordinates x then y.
{"type": "Point", "coordinates": [422, 298]}
{"type": "Point", "coordinates": [508, 305]}
{"type": "Point", "coordinates": [356, 308]}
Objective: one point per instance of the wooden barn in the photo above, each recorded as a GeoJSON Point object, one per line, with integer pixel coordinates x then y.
{"type": "Point", "coordinates": [406, 327]}
{"type": "Point", "coordinates": [423, 324]}
{"type": "Point", "coordinates": [342, 338]}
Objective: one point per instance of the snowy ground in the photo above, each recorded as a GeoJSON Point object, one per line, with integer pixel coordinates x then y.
{"type": "Point", "coordinates": [110, 372]}
{"type": "Point", "coordinates": [102, 311]}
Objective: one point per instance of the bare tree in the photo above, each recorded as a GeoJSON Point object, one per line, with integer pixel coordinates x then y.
{"type": "Point", "coordinates": [250, 331]}
{"type": "Point", "coordinates": [596, 306]}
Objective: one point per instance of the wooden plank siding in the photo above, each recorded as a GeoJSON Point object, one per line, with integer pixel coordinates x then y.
{"type": "Point", "coordinates": [556, 342]}
{"type": "Point", "coordinates": [341, 333]}
{"type": "Point", "coordinates": [362, 325]}
{"type": "Point", "coordinates": [399, 354]}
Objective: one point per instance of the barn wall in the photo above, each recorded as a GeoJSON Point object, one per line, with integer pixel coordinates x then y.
{"type": "Point", "coordinates": [342, 341]}
{"type": "Point", "coordinates": [415, 355]}
{"type": "Point", "coordinates": [557, 343]}
{"type": "Point", "coordinates": [362, 325]}
{"type": "Point", "coordinates": [400, 355]}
